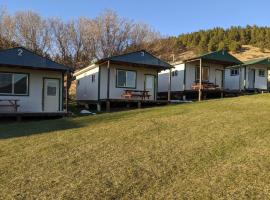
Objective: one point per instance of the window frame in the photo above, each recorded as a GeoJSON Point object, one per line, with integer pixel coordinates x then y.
{"type": "Point", "coordinates": [174, 73]}
{"type": "Point", "coordinates": [126, 70]}
{"type": "Point", "coordinates": [260, 70]}
{"type": "Point", "coordinates": [13, 84]}
{"type": "Point", "coordinates": [93, 78]}
{"type": "Point", "coordinates": [197, 69]}
{"type": "Point", "coordinates": [237, 74]}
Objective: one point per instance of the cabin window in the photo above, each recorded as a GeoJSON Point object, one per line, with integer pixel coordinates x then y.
{"type": "Point", "coordinates": [93, 78]}
{"type": "Point", "coordinates": [126, 79]}
{"type": "Point", "coordinates": [205, 73]}
{"type": "Point", "coordinates": [175, 73]}
{"type": "Point", "coordinates": [13, 84]}
{"type": "Point", "coordinates": [261, 72]}
{"type": "Point", "coordinates": [234, 72]}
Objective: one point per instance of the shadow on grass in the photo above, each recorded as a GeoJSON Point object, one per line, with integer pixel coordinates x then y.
{"type": "Point", "coordinates": [30, 127]}
{"type": "Point", "coordinates": [27, 128]}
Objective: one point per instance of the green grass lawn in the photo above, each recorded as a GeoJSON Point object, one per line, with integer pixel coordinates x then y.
{"type": "Point", "coordinates": [217, 149]}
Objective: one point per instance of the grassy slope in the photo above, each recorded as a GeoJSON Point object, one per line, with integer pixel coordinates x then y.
{"type": "Point", "coordinates": [214, 149]}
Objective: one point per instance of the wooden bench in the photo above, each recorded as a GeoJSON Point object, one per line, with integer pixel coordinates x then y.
{"type": "Point", "coordinates": [11, 103]}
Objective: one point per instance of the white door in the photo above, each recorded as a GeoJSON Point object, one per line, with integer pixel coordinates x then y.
{"type": "Point", "coordinates": [251, 78]}
{"type": "Point", "coordinates": [51, 95]}
{"type": "Point", "coordinates": [219, 78]}
{"type": "Point", "coordinates": [149, 85]}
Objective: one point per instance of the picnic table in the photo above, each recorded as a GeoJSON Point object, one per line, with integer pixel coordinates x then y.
{"type": "Point", "coordinates": [10, 103]}
{"type": "Point", "coordinates": [206, 85]}
{"type": "Point", "coordinates": [143, 94]}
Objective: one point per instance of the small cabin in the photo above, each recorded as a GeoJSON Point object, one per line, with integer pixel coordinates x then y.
{"type": "Point", "coordinates": [204, 73]}
{"type": "Point", "coordinates": [30, 85]}
{"type": "Point", "coordinates": [130, 77]}
{"type": "Point", "coordinates": [250, 76]}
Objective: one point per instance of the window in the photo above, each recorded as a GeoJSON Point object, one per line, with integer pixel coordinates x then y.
{"type": "Point", "coordinates": [13, 84]}
{"type": "Point", "coordinates": [93, 78]}
{"type": "Point", "coordinates": [78, 82]}
{"type": "Point", "coordinates": [261, 72]}
{"type": "Point", "coordinates": [234, 72]}
{"type": "Point", "coordinates": [175, 73]}
{"type": "Point", "coordinates": [126, 79]}
{"type": "Point", "coordinates": [205, 73]}
{"type": "Point", "coordinates": [51, 91]}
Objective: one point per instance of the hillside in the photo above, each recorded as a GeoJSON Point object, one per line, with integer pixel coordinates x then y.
{"type": "Point", "coordinates": [215, 149]}
{"type": "Point", "coordinates": [247, 52]}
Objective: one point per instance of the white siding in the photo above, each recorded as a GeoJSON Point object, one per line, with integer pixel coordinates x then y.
{"type": "Point", "coordinates": [190, 73]}
{"type": "Point", "coordinates": [260, 82]}
{"type": "Point", "coordinates": [177, 82]}
{"type": "Point", "coordinates": [33, 102]}
{"type": "Point", "coordinates": [86, 89]}
{"type": "Point", "coordinates": [232, 82]}
{"type": "Point", "coordinates": [115, 92]}
{"type": "Point", "coordinates": [103, 81]}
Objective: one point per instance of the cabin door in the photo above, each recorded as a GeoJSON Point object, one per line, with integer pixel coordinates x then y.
{"type": "Point", "coordinates": [251, 78]}
{"type": "Point", "coordinates": [219, 78]}
{"type": "Point", "coordinates": [149, 85]}
{"type": "Point", "coordinates": [51, 95]}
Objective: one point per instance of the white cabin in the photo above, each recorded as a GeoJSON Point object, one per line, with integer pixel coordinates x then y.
{"type": "Point", "coordinates": [128, 77]}
{"type": "Point", "coordinates": [30, 85]}
{"type": "Point", "coordinates": [186, 74]}
{"type": "Point", "coordinates": [252, 75]}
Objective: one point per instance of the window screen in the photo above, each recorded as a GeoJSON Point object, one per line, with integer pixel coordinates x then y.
{"type": "Point", "coordinates": [5, 83]}
{"type": "Point", "coordinates": [205, 73]}
{"type": "Point", "coordinates": [13, 84]}
{"type": "Point", "coordinates": [126, 79]}
{"type": "Point", "coordinates": [20, 83]}
{"type": "Point", "coordinates": [262, 72]}
{"type": "Point", "coordinates": [51, 91]}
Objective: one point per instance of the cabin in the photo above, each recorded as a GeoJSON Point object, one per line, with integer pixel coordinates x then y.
{"type": "Point", "coordinates": [130, 77]}
{"type": "Point", "coordinates": [30, 85]}
{"type": "Point", "coordinates": [252, 75]}
{"type": "Point", "coordinates": [196, 76]}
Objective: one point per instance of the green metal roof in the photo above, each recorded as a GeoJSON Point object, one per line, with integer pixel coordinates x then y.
{"type": "Point", "coordinates": [258, 61]}
{"type": "Point", "coordinates": [222, 56]}
{"type": "Point", "coordinates": [138, 58]}
{"type": "Point", "coordinates": [22, 57]}
{"type": "Point", "coordinates": [261, 61]}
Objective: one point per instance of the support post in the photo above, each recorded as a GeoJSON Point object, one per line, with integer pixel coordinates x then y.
{"type": "Point", "coordinates": [66, 100]}
{"type": "Point", "coordinates": [139, 104]}
{"type": "Point", "coordinates": [108, 106]}
{"type": "Point", "coordinates": [245, 78]}
{"type": "Point", "coordinates": [170, 85]}
{"type": "Point", "coordinates": [19, 118]}
{"type": "Point", "coordinates": [200, 82]}
{"type": "Point", "coordinates": [184, 98]}
{"type": "Point", "coordinates": [98, 107]}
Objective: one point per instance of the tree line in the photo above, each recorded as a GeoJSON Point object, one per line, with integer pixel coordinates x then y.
{"type": "Point", "coordinates": [230, 39]}
{"type": "Point", "coordinates": [75, 43]}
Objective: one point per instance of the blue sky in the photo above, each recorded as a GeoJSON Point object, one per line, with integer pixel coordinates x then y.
{"type": "Point", "coordinates": [169, 17]}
